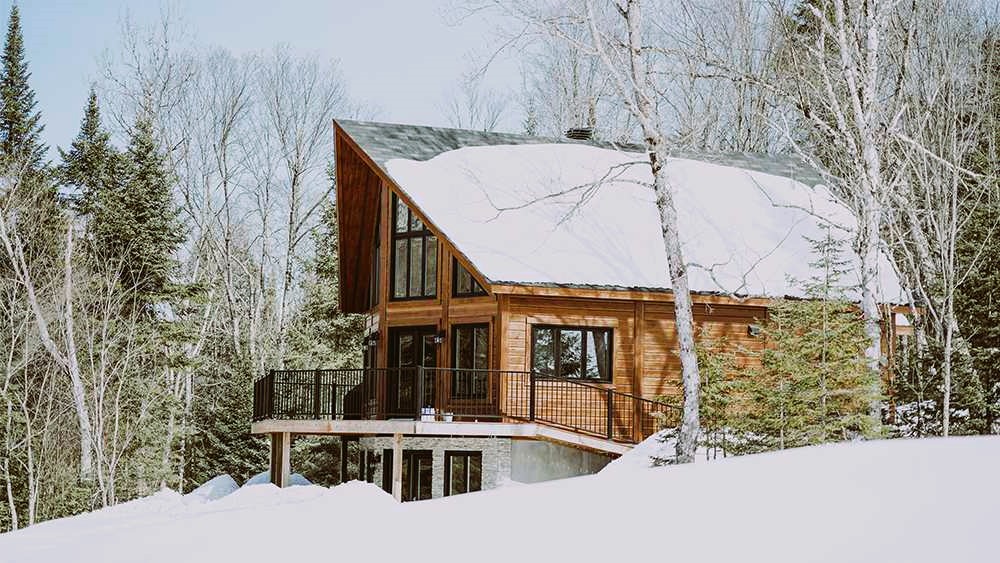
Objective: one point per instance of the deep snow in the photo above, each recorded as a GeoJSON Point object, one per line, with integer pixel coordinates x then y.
{"type": "Point", "coordinates": [742, 231]}
{"type": "Point", "coordinates": [927, 500]}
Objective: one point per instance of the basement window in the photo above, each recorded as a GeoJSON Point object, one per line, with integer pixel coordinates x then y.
{"type": "Point", "coordinates": [463, 472]}
{"type": "Point", "coordinates": [572, 352]}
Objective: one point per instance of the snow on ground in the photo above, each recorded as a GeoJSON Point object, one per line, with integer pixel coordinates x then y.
{"type": "Point", "coordinates": [927, 500]}
{"type": "Point", "coordinates": [743, 229]}
{"type": "Point", "coordinates": [264, 477]}
{"type": "Point", "coordinates": [214, 489]}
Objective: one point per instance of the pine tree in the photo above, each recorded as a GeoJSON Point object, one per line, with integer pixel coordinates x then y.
{"type": "Point", "coordinates": [137, 220]}
{"type": "Point", "coordinates": [977, 300]}
{"type": "Point", "coordinates": [20, 124]}
{"type": "Point", "coordinates": [22, 153]}
{"type": "Point", "coordinates": [812, 384]}
{"type": "Point", "coordinates": [89, 166]}
{"type": "Point", "coordinates": [321, 335]}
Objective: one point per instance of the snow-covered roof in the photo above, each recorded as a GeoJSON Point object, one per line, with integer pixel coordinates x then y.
{"type": "Point", "coordinates": [526, 210]}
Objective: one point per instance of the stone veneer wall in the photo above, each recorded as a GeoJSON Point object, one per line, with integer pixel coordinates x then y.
{"type": "Point", "coordinates": [496, 456]}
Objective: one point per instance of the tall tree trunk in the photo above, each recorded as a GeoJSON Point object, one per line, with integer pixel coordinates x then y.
{"type": "Point", "coordinates": [687, 438]}
{"type": "Point", "coordinates": [641, 104]}
{"type": "Point", "coordinates": [73, 366]}
{"type": "Point", "coordinates": [869, 304]}
{"type": "Point", "coordinates": [68, 362]}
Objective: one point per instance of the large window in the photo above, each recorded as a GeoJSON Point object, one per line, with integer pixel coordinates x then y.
{"type": "Point", "coordinates": [463, 472]}
{"type": "Point", "coordinates": [414, 255]}
{"type": "Point", "coordinates": [471, 357]}
{"type": "Point", "coordinates": [582, 353]}
{"type": "Point", "coordinates": [418, 469]}
{"type": "Point", "coordinates": [463, 284]}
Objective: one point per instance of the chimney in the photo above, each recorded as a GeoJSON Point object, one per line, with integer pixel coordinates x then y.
{"type": "Point", "coordinates": [580, 133]}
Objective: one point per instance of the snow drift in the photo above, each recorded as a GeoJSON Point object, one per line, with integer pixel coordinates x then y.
{"type": "Point", "coordinates": [927, 500]}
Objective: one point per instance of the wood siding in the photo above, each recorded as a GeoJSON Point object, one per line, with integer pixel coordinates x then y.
{"type": "Point", "coordinates": [661, 375]}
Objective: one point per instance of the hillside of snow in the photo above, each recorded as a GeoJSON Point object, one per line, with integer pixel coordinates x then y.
{"type": "Point", "coordinates": [930, 500]}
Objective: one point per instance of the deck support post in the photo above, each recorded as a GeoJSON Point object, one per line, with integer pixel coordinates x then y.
{"type": "Point", "coordinates": [343, 459]}
{"type": "Point", "coordinates": [281, 463]}
{"type": "Point", "coordinates": [397, 467]}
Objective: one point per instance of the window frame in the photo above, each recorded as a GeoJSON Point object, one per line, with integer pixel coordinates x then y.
{"type": "Point", "coordinates": [375, 270]}
{"type": "Point", "coordinates": [456, 268]}
{"type": "Point", "coordinates": [468, 455]}
{"type": "Point", "coordinates": [472, 395]}
{"type": "Point", "coordinates": [557, 355]}
{"type": "Point", "coordinates": [410, 235]}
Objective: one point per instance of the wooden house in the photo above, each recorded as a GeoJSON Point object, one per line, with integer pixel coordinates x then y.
{"type": "Point", "coordinates": [520, 322]}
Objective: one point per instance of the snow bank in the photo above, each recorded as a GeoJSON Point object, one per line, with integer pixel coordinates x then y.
{"type": "Point", "coordinates": [264, 477]}
{"type": "Point", "coordinates": [640, 457]}
{"type": "Point", "coordinates": [918, 501]}
{"type": "Point", "coordinates": [214, 489]}
{"type": "Point", "coordinates": [743, 230]}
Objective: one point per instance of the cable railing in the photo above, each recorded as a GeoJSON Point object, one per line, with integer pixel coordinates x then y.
{"type": "Point", "coordinates": [459, 395]}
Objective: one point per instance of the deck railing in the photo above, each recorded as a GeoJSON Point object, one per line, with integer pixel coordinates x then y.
{"type": "Point", "coordinates": [459, 395]}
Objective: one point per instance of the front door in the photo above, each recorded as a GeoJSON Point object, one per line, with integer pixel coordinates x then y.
{"type": "Point", "coordinates": [418, 471]}
{"type": "Point", "coordinates": [409, 348]}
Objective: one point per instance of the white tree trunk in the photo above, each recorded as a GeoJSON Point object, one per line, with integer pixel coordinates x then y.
{"type": "Point", "coordinates": [68, 361]}
{"type": "Point", "coordinates": [687, 437]}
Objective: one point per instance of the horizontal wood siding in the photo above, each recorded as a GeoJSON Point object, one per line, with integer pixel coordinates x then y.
{"type": "Point", "coordinates": [579, 407]}
{"type": "Point", "coordinates": [721, 323]}
{"type": "Point", "coordinates": [618, 315]}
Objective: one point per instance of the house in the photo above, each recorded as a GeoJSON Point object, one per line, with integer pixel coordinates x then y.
{"type": "Point", "coordinates": [520, 322]}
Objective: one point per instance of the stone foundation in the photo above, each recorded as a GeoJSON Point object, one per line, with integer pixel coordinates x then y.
{"type": "Point", "coordinates": [496, 456]}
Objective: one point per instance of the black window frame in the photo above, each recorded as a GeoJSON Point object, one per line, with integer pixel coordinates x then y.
{"type": "Point", "coordinates": [374, 271]}
{"type": "Point", "coordinates": [479, 389]}
{"type": "Point", "coordinates": [411, 478]}
{"type": "Point", "coordinates": [449, 455]}
{"type": "Point", "coordinates": [557, 355]}
{"type": "Point", "coordinates": [411, 234]}
{"type": "Point", "coordinates": [457, 269]}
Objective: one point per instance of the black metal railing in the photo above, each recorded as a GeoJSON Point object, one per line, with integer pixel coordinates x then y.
{"type": "Point", "coordinates": [459, 395]}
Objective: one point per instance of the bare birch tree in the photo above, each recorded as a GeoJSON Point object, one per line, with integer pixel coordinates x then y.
{"type": "Point", "coordinates": [300, 98]}
{"type": "Point", "coordinates": [937, 133]}
{"type": "Point", "coordinates": [617, 35]}
{"type": "Point", "coordinates": [473, 105]}
{"type": "Point", "coordinates": [64, 353]}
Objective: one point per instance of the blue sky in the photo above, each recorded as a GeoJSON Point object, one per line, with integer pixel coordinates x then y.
{"type": "Point", "coordinates": [399, 56]}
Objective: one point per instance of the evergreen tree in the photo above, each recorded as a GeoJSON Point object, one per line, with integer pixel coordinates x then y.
{"type": "Point", "coordinates": [20, 124]}
{"type": "Point", "coordinates": [812, 384]}
{"type": "Point", "coordinates": [22, 153]}
{"type": "Point", "coordinates": [137, 219]}
{"type": "Point", "coordinates": [977, 300]}
{"type": "Point", "coordinates": [89, 165]}
{"type": "Point", "coordinates": [321, 335]}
